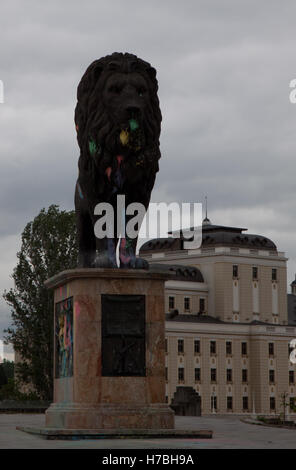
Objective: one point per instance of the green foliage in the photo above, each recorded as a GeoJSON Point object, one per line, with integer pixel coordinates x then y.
{"type": "Point", "coordinates": [48, 247]}
{"type": "Point", "coordinates": [11, 392]}
{"type": "Point", "coordinates": [261, 418]}
{"type": "Point", "coordinates": [3, 378]}
{"type": "Point", "coordinates": [293, 405]}
{"type": "Point", "coordinates": [7, 391]}
{"type": "Point", "coordinates": [8, 367]}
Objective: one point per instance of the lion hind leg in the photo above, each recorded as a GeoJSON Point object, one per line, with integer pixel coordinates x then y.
{"type": "Point", "coordinates": [106, 255]}
{"type": "Point", "coordinates": [127, 254]}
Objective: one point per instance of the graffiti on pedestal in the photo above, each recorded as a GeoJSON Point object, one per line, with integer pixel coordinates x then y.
{"type": "Point", "coordinates": [64, 338]}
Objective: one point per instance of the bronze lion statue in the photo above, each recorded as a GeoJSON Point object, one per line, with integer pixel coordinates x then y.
{"type": "Point", "coordinates": [118, 122]}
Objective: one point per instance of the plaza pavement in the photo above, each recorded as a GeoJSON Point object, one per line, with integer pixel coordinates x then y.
{"type": "Point", "coordinates": [229, 433]}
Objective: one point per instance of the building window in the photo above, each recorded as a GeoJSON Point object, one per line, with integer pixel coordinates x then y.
{"type": "Point", "coordinates": [291, 377]}
{"type": "Point", "coordinates": [245, 403]}
{"type": "Point", "coordinates": [272, 403]}
{"type": "Point", "coordinates": [166, 374]}
{"type": "Point", "coordinates": [171, 302]}
{"type": "Point", "coordinates": [229, 403]}
{"type": "Point", "coordinates": [271, 376]}
{"type": "Point", "coordinates": [228, 348]}
{"type": "Point", "coordinates": [235, 270]}
{"type": "Point", "coordinates": [196, 346]}
{"type": "Point", "coordinates": [255, 273]}
{"type": "Point", "coordinates": [244, 349]}
{"type": "Point", "coordinates": [244, 375]}
{"type": "Point", "coordinates": [180, 346]}
{"type": "Point", "coordinates": [271, 349]}
{"type": "Point", "coordinates": [197, 374]}
{"type": "Point", "coordinates": [274, 274]}
{"type": "Point", "coordinates": [187, 304]}
{"type": "Point", "coordinates": [166, 399]}
{"type": "Point", "coordinates": [181, 374]}
{"type": "Point", "coordinates": [292, 403]}
{"type": "Point", "coordinates": [229, 375]}
{"type": "Point", "coordinates": [166, 345]}
{"type": "Point", "coordinates": [201, 305]}
{"type": "Point", "coordinates": [213, 347]}
{"type": "Point", "coordinates": [213, 375]}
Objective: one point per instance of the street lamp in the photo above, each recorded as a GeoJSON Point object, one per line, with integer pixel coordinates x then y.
{"type": "Point", "coordinates": [254, 416]}
{"type": "Point", "coordinates": [284, 403]}
{"type": "Point", "coordinates": [213, 402]}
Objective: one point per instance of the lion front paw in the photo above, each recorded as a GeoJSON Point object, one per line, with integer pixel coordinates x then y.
{"type": "Point", "coordinates": [104, 261]}
{"type": "Point", "coordinates": [141, 263]}
{"type": "Point", "coordinates": [134, 263]}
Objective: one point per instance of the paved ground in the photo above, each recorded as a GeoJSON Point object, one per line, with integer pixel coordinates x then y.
{"type": "Point", "coordinates": [229, 433]}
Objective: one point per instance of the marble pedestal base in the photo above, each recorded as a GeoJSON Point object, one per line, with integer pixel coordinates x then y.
{"type": "Point", "coordinates": [84, 398]}
{"type": "Point", "coordinates": [153, 416]}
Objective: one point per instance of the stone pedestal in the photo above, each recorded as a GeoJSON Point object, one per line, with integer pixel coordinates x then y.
{"type": "Point", "coordinates": [109, 350]}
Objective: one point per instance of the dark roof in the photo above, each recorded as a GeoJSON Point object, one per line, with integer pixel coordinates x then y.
{"type": "Point", "coordinates": [180, 272]}
{"type": "Point", "coordinates": [194, 318]}
{"type": "Point", "coordinates": [213, 235]}
{"type": "Point", "coordinates": [214, 228]}
{"type": "Point", "coordinates": [162, 244]}
{"type": "Point", "coordinates": [291, 309]}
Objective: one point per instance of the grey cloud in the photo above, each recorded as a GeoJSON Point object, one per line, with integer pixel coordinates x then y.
{"type": "Point", "coordinates": [228, 127]}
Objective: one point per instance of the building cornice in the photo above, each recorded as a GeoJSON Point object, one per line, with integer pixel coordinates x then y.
{"type": "Point", "coordinates": [229, 256]}
{"type": "Point", "coordinates": [224, 329]}
{"type": "Point", "coordinates": [187, 285]}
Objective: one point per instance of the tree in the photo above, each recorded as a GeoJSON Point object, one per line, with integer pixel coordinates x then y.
{"type": "Point", "coordinates": [3, 378]}
{"type": "Point", "coordinates": [48, 247]}
{"type": "Point", "coordinates": [8, 367]}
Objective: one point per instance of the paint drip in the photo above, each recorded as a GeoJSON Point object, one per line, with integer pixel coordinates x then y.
{"type": "Point", "coordinates": [124, 137]}
{"type": "Point", "coordinates": [92, 147]}
{"type": "Point", "coordinates": [133, 125]}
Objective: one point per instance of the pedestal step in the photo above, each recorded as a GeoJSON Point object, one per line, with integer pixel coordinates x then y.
{"type": "Point", "coordinates": [69, 434]}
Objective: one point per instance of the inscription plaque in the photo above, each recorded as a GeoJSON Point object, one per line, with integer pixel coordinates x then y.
{"type": "Point", "coordinates": [123, 335]}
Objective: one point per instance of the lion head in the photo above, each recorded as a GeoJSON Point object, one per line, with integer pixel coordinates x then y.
{"type": "Point", "coordinates": [118, 113]}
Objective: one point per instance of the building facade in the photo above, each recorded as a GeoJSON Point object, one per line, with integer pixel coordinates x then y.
{"type": "Point", "coordinates": [227, 328]}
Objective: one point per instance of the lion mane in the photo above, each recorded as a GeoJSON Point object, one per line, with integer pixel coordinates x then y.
{"type": "Point", "coordinates": [102, 137]}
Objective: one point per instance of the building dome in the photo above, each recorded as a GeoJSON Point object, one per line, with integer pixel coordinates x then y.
{"type": "Point", "coordinates": [206, 221]}
{"type": "Point", "coordinates": [179, 272]}
{"type": "Point", "coordinates": [212, 236]}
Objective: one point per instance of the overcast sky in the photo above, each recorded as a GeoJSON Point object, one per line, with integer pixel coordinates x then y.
{"type": "Point", "coordinates": [228, 131]}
